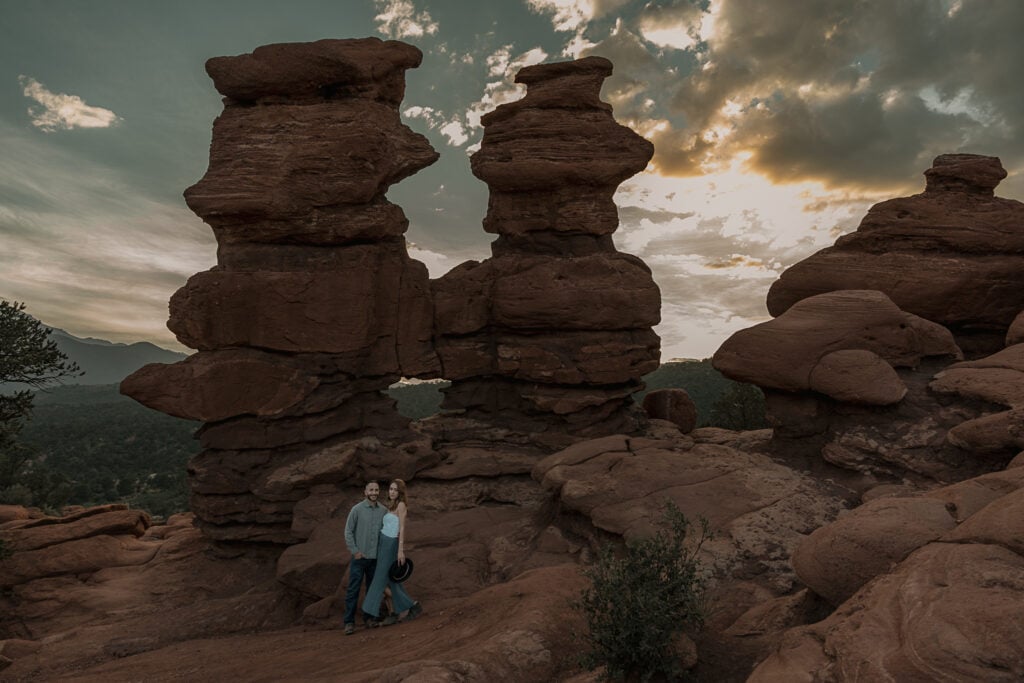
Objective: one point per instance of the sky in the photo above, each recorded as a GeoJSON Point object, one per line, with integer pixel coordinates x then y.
{"type": "Point", "coordinates": [776, 125]}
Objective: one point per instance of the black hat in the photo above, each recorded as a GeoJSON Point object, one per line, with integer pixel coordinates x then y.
{"type": "Point", "coordinates": [400, 572]}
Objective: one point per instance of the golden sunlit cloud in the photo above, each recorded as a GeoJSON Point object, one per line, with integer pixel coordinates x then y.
{"type": "Point", "coordinates": [676, 37]}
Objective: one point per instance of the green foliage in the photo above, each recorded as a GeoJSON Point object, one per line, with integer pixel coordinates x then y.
{"type": "Point", "coordinates": [642, 598]}
{"type": "Point", "coordinates": [27, 354]}
{"type": "Point", "coordinates": [707, 388]}
{"type": "Point", "coordinates": [702, 382]}
{"type": "Point", "coordinates": [740, 408]}
{"type": "Point", "coordinates": [28, 357]}
{"type": "Point", "coordinates": [88, 445]}
{"type": "Point", "coordinates": [419, 400]}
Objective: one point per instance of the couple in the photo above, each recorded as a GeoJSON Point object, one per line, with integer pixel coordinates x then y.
{"type": "Point", "coordinates": [375, 535]}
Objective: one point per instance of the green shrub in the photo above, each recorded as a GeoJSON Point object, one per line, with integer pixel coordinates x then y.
{"type": "Point", "coordinates": [641, 598]}
{"type": "Point", "coordinates": [740, 408]}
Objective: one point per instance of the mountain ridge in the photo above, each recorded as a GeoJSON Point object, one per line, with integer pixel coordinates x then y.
{"type": "Point", "coordinates": [102, 361]}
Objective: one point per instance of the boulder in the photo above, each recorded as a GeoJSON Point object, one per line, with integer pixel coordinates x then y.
{"type": "Point", "coordinates": [673, 405]}
{"type": "Point", "coordinates": [837, 559]}
{"type": "Point", "coordinates": [785, 352]}
{"type": "Point", "coordinates": [947, 612]}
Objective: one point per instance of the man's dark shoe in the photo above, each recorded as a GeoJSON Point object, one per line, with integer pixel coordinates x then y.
{"type": "Point", "coordinates": [350, 629]}
{"type": "Point", "coordinates": [414, 611]}
{"type": "Point", "coordinates": [371, 621]}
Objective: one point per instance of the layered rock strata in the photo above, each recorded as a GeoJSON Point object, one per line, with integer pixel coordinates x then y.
{"type": "Point", "coordinates": [553, 331]}
{"type": "Point", "coordinates": [314, 306]}
{"type": "Point", "coordinates": [951, 254]}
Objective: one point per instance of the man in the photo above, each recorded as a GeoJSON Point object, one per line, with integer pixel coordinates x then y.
{"type": "Point", "coordinates": [362, 529]}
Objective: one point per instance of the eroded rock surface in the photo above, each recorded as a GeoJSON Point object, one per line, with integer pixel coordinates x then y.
{"type": "Point", "coordinates": [931, 588]}
{"type": "Point", "coordinates": [842, 344]}
{"type": "Point", "coordinates": [190, 610]}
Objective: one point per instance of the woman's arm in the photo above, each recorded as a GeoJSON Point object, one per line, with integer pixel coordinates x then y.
{"type": "Point", "coordinates": [400, 510]}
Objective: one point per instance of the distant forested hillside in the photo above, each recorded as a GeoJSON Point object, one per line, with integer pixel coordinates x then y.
{"type": "Point", "coordinates": [97, 446]}
{"type": "Point", "coordinates": [720, 402]}
{"type": "Point", "coordinates": [706, 386]}
{"type": "Point", "coordinates": [420, 399]}
{"type": "Point", "coordinates": [91, 445]}
{"type": "Point", "coordinates": [104, 362]}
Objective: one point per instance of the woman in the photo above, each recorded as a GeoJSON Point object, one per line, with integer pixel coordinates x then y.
{"type": "Point", "coordinates": [390, 549]}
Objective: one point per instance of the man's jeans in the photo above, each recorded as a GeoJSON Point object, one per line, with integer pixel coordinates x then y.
{"type": "Point", "coordinates": [358, 570]}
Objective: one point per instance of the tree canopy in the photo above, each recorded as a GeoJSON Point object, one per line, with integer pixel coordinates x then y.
{"type": "Point", "coordinates": [30, 358]}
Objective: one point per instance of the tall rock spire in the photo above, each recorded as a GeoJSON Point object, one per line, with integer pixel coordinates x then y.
{"type": "Point", "coordinates": [314, 306]}
{"type": "Point", "coordinates": [554, 331]}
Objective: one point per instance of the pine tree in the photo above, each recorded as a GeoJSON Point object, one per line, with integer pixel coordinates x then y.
{"type": "Point", "coordinates": [29, 357]}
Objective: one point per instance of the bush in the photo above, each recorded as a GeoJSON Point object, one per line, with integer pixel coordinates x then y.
{"type": "Point", "coordinates": [642, 598]}
{"type": "Point", "coordinates": [741, 408]}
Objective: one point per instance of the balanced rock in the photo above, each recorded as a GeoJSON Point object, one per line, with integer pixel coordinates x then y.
{"type": "Point", "coordinates": [554, 331]}
{"type": "Point", "coordinates": [843, 344]}
{"type": "Point", "coordinates": [848, 375]}
{"type": "Point", "coordinates": [950, 254]}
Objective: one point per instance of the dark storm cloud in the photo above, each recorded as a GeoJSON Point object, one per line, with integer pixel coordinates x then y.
{"type": "Point", "coordinates": [853, 94]}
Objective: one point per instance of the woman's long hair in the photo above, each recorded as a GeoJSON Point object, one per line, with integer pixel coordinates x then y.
{"type": "Point", "coordinates": [392, 504]}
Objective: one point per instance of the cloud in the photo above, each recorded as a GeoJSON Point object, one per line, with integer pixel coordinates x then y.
{"type": "Point", "coordinates": [400, 19]}
{"type": "Point", "coordinates": [437, 263]}
{"type": "Point", "coordinates": [58, 111]}
{"type": "Point", "coordinates": [566, 15]}
{"type": "Point", "coordinates": [86, 249]}
{"type": "Point", "coordinates": [500, 88]}
{"type": "Point", "coordinates": [452, 128]}
{"type": "Point", "coordinates": [677, 25]}
{"type": "Point", "coordinates": [502, 67]}
{"type": "Point", "coordinates": [862, 95]}
{"type": "Point", "coordinates": [455, 132]}
{"type": "Point", "coordinates": [716, 242]}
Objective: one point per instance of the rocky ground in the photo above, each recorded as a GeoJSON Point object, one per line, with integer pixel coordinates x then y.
{"type": "Point", "coordinates": [103, 595]}
{"type": "Point", "coordinates": [909, 584]}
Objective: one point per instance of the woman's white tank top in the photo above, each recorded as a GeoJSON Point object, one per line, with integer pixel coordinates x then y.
{"type": "Point", "coordinates": [390, 527]}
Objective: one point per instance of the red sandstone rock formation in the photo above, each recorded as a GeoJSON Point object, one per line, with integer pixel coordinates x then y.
{"type": "Point", "coordinates": [950, 254]}
{"type": "Point", "coordinates": [102, 595]}
{"type": "Point", "coordinates": [314, 306]}
{"type": "Point", "coordinates": [851, 378]}
{"type": "Point", "coordinates": [554, 331]}
{"type": "Point", "coordinates": [846, 378]}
